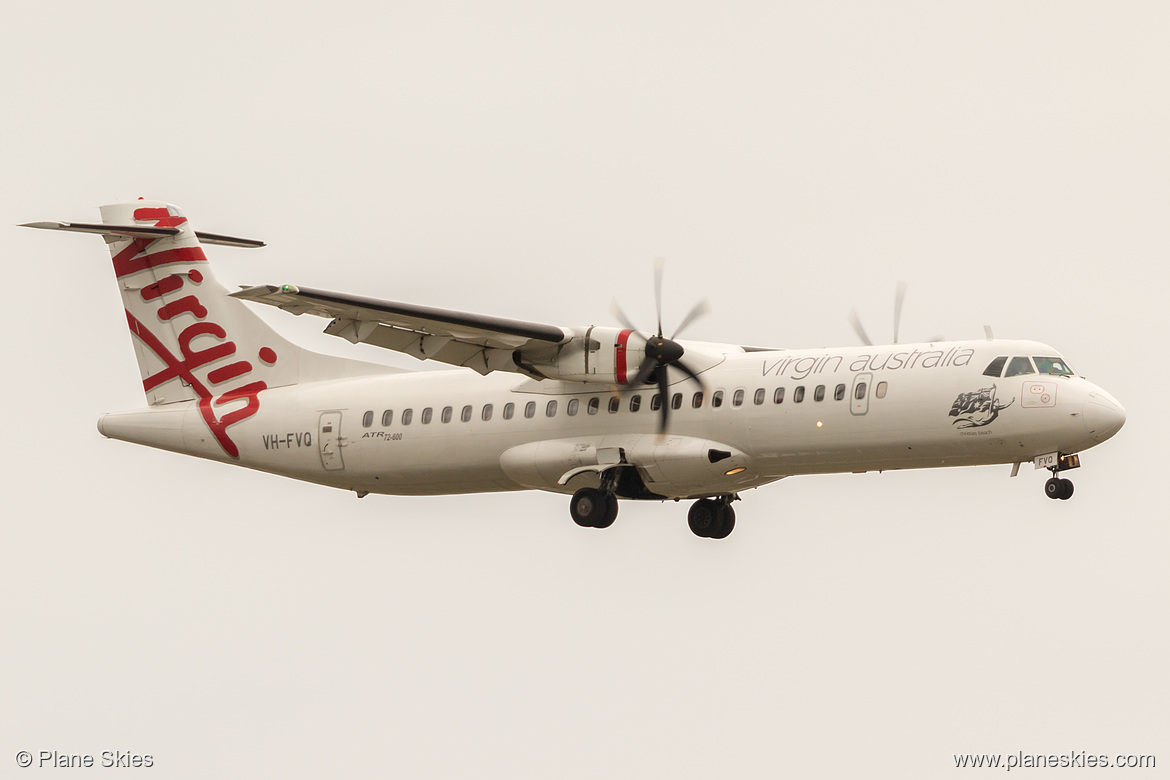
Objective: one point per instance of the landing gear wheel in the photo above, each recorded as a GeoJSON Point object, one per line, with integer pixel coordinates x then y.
{"type": "Point", "coordinates": [611, 510]}
{"type": "Point", "coordinates": [589, 507]}
{"type": "Point", "coordinates": [1058, 488]}
{"type": "Point", "coordinates": [726, 523]}
{"type": "Point", "coordinates": [704, 517]}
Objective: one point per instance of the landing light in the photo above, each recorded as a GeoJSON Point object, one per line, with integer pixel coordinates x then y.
{"type": "Point", "coordinates": [734, 471]}
{"type": "Point", "coordinates": [819, 423]}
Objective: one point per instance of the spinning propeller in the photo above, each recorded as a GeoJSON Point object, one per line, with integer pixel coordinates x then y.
{"type": "Point", "coordinates": [899, 298]}
{"type": "Point", "coordinates": [662, 353]}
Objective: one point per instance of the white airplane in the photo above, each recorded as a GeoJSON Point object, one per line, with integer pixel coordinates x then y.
{"type": "Point", "coordinates": [601, 413]}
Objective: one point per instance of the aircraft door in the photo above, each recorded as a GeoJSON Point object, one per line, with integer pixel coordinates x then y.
{"type": "Point", "coordinates": [330, 441]}
{"type": "Point", "coordinates": [859, 395]}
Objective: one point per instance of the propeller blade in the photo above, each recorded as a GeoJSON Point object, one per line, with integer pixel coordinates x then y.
{"type": "Point", "coordinates": [855, 321]}
{"type": "Point", "coordinates": [700, 308]}
{"type": "Point", "coordinates": [663, 400]}
{"type": "Point", "coordinates": [659, 269]}
{"type": "Point", "coordinates": [681, 366]}
{"type": "Point", "coordinates": [621, 315]}
{"type": "Point", "coordinates": [898, 299]}
{"type": "Point", "coordinates": [644, 372]}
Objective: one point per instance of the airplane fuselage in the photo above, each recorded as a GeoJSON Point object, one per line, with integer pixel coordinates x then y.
{"type": "Point", "coordinates": [779, 413]}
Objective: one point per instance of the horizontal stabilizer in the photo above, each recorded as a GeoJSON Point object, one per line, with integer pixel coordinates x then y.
{"type": "Point", "coordinates": [127, 231]}
{"type": "Point", "coordinates": [141, 231]}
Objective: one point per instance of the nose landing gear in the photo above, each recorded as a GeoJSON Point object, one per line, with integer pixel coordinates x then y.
{"type": "Point", "coordinates": [1058, 488]}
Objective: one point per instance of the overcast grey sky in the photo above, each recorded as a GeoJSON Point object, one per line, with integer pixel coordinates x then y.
{"type": "Point", "coordinates": [790, 160]}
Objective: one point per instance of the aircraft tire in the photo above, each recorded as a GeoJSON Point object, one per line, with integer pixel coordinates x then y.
{"type": "Point", "coordinates": [1053, 488]}
{"type": "Point", "coordinates": [611, 512]}
{"type": "Point", "coordinates": [589, 507]}
{"type": "Point", "coordinates": [704, 517]}
{"type": "Point", "coordinates": [726, 523]}
{"type": "Point", "coordinates": [1066, 489]}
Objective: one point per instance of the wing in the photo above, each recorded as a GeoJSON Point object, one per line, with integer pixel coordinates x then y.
{"type": "Point", "coordinates": [482, 343]}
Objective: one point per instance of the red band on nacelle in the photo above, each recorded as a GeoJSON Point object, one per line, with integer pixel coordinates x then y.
{"type": "Point", "coordinates": [619, 356]}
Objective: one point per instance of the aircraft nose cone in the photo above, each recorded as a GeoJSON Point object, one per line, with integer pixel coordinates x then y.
{"type": "Point", "coordinates": [1103, 415]}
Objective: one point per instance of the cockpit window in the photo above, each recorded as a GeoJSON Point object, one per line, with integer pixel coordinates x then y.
{"type": "Point", "coordinates": [995, 367]}
{"type": "Point", "coordinates": [1052, 365]}
{"type": "Point", "coordinates": [1020, 365]}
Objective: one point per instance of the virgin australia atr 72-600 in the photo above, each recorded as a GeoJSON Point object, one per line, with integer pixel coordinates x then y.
{"type": "Point", "coordinates": [599, 413]}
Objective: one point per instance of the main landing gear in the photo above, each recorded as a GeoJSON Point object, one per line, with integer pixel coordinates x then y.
{"type": "Point", "coordinates": [712, 518]}
{"type": "Point", "coordinates": [592, 508]}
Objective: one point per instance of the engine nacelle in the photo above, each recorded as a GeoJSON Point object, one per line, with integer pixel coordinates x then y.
{"type": "Point", "coordinates": [608, 356]}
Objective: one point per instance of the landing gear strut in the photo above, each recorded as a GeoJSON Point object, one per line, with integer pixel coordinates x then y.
{"type": "Point", "coordinates": [591, 508]}
{"type": "Point", "coordinates": [712, 518]}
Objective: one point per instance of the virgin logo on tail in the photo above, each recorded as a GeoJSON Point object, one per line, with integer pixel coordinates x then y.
{"type": "Point", "coordinates": [194, 367]}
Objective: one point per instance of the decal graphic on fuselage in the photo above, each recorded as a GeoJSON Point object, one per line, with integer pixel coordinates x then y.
{"type": "Point", "coordinates": [977, 408]}
{"type": "Point", "coordinates": [134, 259]}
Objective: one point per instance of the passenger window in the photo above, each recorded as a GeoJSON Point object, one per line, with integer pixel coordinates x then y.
{"type": "Point", "coordinates": [655, 402]}
{"type": "Point", "coordinates": [635, 403]}
{"type": "Point", "coordinates": [571, 408]}
{"type": "Point", "coordinates": [465, 413]}
{"type": "Point", "coordinates": [509, 410]}
{"type": "Point", "coordinates": [798, 394]}
{"type": "Point", "coordinates": [530, 409]}
{"type": "Point", "coordinates": [387, 418]}
{"type": "Point", "coordinates": [859, 393]}
{"type": "Point", "coordinates": [550, 410]}
{"type": "Point", "coordinates": [759, 397]}
{"type": "Point", "coordinates": [697, 400]}
{"type": "Point", "coordinates": [737, 398]}
{"type": "Point", "coordinates": [1052, 365]}
{"type": "Point", "coordinates": [995, 367]}
{"type": "Point", "coordinates": [716, 399]}
{"type": "Point", "coordinates": [880, 390]}
{"type": "Point", "coordinates": [1018, 366]}
{"type": "Point", "coordinates": [486, 414]}
{"type": "Point", "coordinates": [407, 416]}
{"type": "Point", "coordinates": [445, 415]}
{"type": "Point", "coordinates": [676, 401]}
{"type": "Point", "coordinates": [427, 414]}
{"type": "Point", "coordinates": [367, 419]}
{"type": "Point", "coordinates": [594, 405]}
{"type": "Point", "coordinates": [778, 396]}
{"type": "Point", "coordinates": [615, 403]}
{"type": "Point", "coordinates": [819, 393]}
{"type": "Point", "coordinates": [839, 393]}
